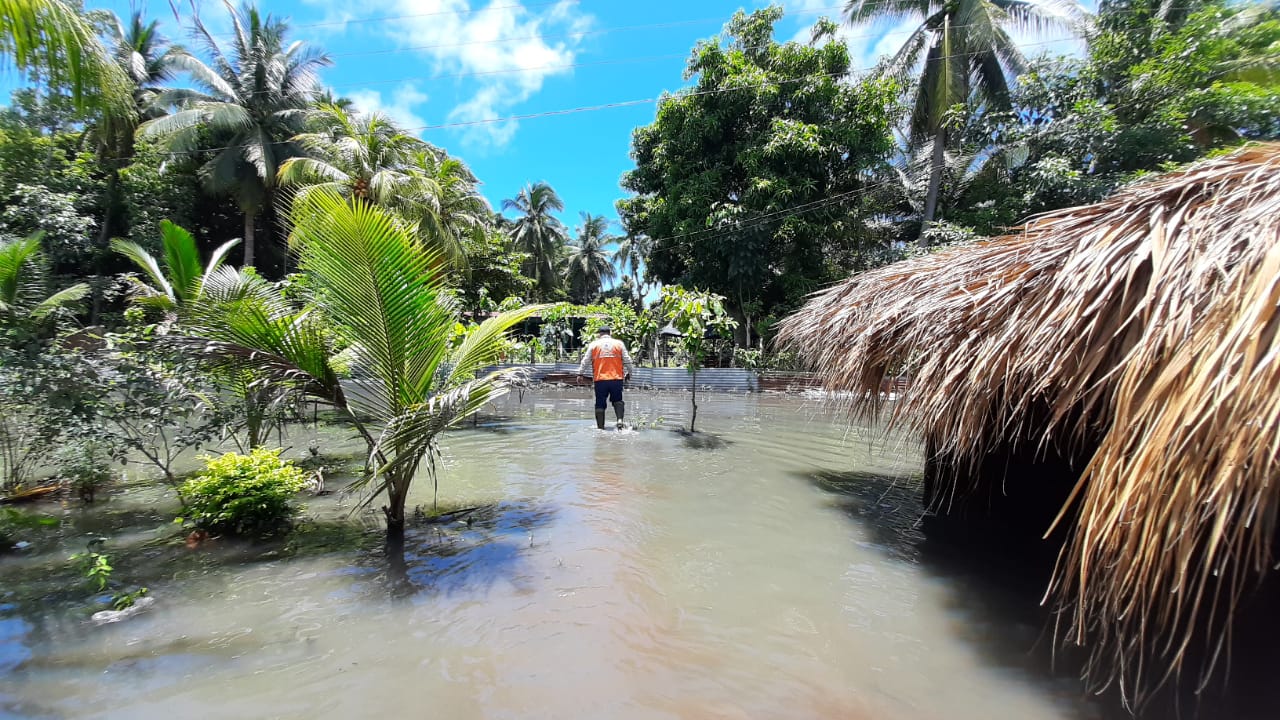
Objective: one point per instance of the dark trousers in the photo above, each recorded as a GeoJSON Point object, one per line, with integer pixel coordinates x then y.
{"type": "Point", "coordinates": [610, 390]}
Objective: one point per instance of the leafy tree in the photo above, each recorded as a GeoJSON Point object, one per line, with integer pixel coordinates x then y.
{"type": "Point", "coordinates": [40, 392]}
{"type": "Point", "coordinates": [155, 404]}
{"type": "Point", "coordinates": [590, 265]}
{"type": "Point", "coordinates": [445, 202]}
{"type": "Point", "coordinates": [492, 273]}
{"type": "Point", "coordinates": [385, 292]}
{"type": "Point", "coordinates": [962, 51]}
{"type": "Point", "coordinates": [697, 316]}
{"type": "Point", "coordinates": [1155, 90]}
{"type": "Point", "coordinates": [750, 183]}
{"type": "Point", "coordinates": [538, 234]}
{"type": "Point", "coordinates": [250, 102]}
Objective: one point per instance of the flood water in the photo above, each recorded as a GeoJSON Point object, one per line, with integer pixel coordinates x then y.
{"type": "Point", "coordinates": [767, 568]}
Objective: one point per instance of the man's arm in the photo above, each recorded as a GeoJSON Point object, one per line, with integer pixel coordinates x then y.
{"type": "Point", "coordinates": [586, 361]}
{"type": "Point", "coordinates": [627, 366]}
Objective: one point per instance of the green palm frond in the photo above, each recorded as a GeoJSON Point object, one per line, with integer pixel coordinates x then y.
{"type": "Point", "coordinates": [57, 39]}
{"type": "Point", "coordinates": [160, 292]}
{"type": "Point", "coordinates": [384, 290]}
{"type": "Point", "coordinates": [59, 301]}
{"type": "Point", "coordinates": [23, 283]}
{"type": "Point", "coordinates": [20, 272]}
{"type": "Point", "coordinates": [482, 346]}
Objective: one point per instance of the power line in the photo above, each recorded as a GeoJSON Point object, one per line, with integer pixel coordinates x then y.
{"type": "Point", "coordinates": [612, 105]}
{"type": "Point", "coordinates": [563, 36]}
{"type": "Point", "coordinates": [615, 61]}
{"type": "Point", "coordinates": [696, 93]}
{"type": "Point", "coordinates": [411, 16]}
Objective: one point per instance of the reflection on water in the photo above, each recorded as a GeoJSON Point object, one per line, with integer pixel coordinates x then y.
{"type": "Point", "coordinates": [770, 569]}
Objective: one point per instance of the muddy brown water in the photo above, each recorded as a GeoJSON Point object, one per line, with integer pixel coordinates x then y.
{"type": "Point", "coordinates": [769, 568]}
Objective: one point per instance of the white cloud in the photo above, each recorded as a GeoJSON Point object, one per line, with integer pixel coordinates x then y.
{"type": "Point", "coordinates": [870, 42]}
{"type": "Point", "coordinates": [399, 108]}
{"type": "Point", "coordinates": [499, 43]}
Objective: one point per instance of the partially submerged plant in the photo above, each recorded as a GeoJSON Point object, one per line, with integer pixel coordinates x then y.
{"type": "Point", "coordinates": [380, 289]}
{"type": "Point", "coordinates": [244, 494]}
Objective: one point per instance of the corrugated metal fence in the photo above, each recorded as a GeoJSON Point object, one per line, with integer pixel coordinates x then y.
{"type": "Point", "coordinates": [714, 379]}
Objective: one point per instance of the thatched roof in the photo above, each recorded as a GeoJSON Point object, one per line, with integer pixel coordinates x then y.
{"type": "Point", "coordinates": [1149, 320]}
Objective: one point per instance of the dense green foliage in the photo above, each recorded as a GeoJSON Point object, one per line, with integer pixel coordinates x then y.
{"type": "Point", "coordinates": [1160, 86]}
{"type": "Point", "coordinates": [243, 494]}
{"type": "Point", "coordinates": [718, 173]}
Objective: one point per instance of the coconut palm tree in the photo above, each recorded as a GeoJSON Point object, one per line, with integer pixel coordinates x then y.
{"type": "Point", "coordinates": [180, 281]}
{"type": "Point", "coordinates": [445, 201]}
{"type": "Point", "coordinates": [145, 59]}
{"type": "Point", "coordinates": [538, 233]}
{"type": "Point", "coordinates": [24, 295]}
{"type": "Point", "coordinates": [383, 289]}
{"type": "Point", "coordinates": [54, 38]}
{"type": "Point", "coordinates": [590, 265]}
{"type": "Point", "coordinates": [251, 100]}
{"type": "Point", "coordinates": [630, 255]}
{"type": "Point", "coordinates": [357, 155]}
{"type": "Point", "coordinates": [962, 55]}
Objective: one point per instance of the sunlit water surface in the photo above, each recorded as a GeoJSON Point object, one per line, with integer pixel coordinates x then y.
{"type": "Point", "coordinates": [767, 569]}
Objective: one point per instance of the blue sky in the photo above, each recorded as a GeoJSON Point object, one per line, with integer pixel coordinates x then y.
{"type": "Point", "coordinates": [448, 68]}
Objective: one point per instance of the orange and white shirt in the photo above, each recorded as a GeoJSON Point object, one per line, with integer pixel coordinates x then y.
{"type": "Point", "coordinates": [608, 359]}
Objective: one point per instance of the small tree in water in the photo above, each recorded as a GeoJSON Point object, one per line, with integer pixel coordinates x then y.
{"type": "Point", "coordinates": [378, 286]}
{"type": "Point", "coordinates": [695, 315]}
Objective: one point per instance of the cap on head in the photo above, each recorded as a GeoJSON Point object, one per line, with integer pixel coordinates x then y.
{"type": "Point", "coordinates": [604, 330]}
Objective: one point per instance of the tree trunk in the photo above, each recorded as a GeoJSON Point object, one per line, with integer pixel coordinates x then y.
{"type": "Point", "coordinates": [935, 181]}
{"type": "Point", "coordinates": [248, 239]}
{"type": "Point", "coordinates": [694, 386]}
{"type": "Point", "coordinates": [397, 495]}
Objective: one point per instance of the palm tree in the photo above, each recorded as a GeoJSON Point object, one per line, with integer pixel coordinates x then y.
{"type": "Point", "coordinates": [23, 293]}
{"type": "Point", "coordinates": [384, 291]}
{"type": "Point", "coordinates": [631, 254]}
{"type": "Point", "coordinates": [54, 38]}
{"type": "Point", "coordinates": [964, 56]}
{"type": "Point", "coordinates": [538, 233]}
{"type": "Point", "coordinates": [181, 280]}
{"type": "Point", "coordinates": [445, 201]}
{"type": "Point", "coordinates": [145, 57]}
{"type": "Point", "coordinates": [590, 266]}
{"type": "Point", "coordinates": [357, 155]}
{"type": "Point", "coordinates": [252, 100]}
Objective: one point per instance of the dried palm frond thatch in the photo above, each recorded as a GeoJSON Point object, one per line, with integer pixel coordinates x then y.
{"type": "Point", "coordinates": [1148, 320]}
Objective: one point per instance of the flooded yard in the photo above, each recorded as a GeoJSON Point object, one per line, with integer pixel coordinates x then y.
{"type": "Point", "coordinates": [767, 568]}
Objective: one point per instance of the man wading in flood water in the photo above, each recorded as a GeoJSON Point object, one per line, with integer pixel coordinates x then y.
{"type": "Point", "coordinates": [610, 364]}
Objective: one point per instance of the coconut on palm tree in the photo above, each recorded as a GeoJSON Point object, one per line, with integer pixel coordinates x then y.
{"type": "Point", "coordinates": [251, 101]}
{"type": "Point", "coordinates": [963, 56]}
{"type": "Point", "coordinates": [590, 265]}
{"type": "Point", "coordinates": [538, 233]}
{"type": "Point", "coordinates": [357, 155]}
{"type": "Point", "coordinates": [445, 201]}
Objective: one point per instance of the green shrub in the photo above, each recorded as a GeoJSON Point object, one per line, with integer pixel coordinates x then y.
{"type": "Point", "coordinates": [86, 464]}
{"type": "Point", "coordinates": [243, 494]}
